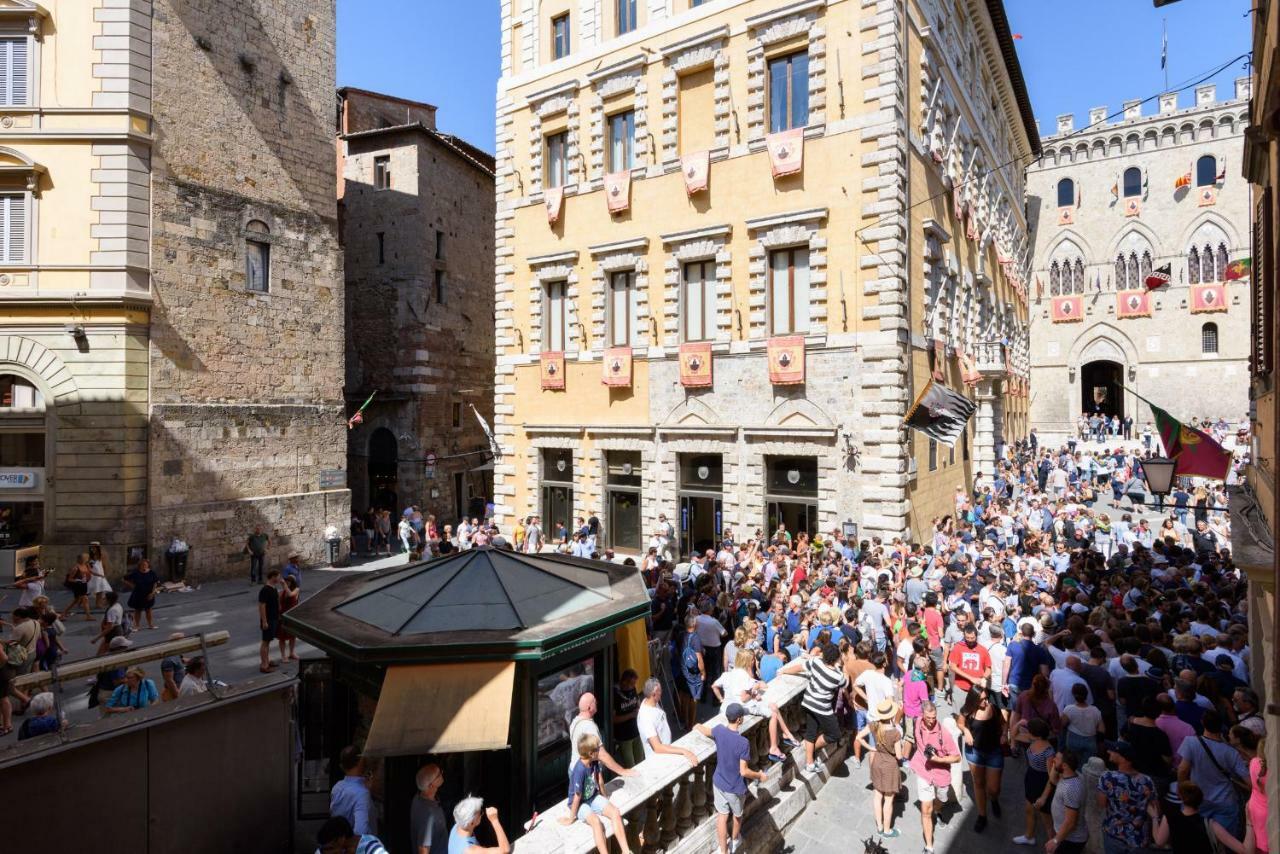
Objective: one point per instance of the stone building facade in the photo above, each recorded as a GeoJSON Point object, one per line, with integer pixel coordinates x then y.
{"type": "Point", "coordinates": [859, 266]}
{"type": "Point", "coordinates": [154, 146]}
{"type": "Point", "coordinates": [1106, 209]}
{"type": "Point", "coordinates": [417, 214]}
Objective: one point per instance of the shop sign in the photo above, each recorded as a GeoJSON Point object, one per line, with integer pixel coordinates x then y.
{"type": "Point", "coordinates": [333, 478]}
{"type": "Point", "coordinates": [17, 479]}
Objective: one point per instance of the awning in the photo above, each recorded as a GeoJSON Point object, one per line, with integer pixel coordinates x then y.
{"type": "Point", "coordinates": [485, 466]}
{"type": "Point", "coordinates": [442, 708]}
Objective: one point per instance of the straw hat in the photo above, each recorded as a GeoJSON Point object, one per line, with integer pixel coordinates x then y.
{"type": "Point", "coordinates": [885, 710]}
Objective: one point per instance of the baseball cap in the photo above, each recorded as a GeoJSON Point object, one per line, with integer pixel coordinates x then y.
{"type": "Point", "coordinates": [120, 643]}
{"type": "Point", "coordinates": [1122, 748]}
{"type": "Point", "coordinates": [734, 713]}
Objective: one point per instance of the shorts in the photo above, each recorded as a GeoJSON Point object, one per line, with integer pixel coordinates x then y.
{"type": "Point", "coordinates": [269, 633]}
{"type": "Point", "coordinates": [595, 806]}
{"type": "Point", "coordinates": [824, 724]}
{"type": "Point", "coordinates": [727, 803]}
{"type": "Point", "coordinates": [984, 758]}
{"type": "Point", "coordinates": [77, 588]}
{"type": "Point", "coordinates": [927, 792]}
{"type": "Point", "coordinates": [935, 655]}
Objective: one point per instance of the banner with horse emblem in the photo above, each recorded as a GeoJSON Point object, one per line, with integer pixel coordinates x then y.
{"type": "Point", "coordinates": [1207, 197]}
{"type": "Point", "coordinates": [555, 200]}
{"type": "Point", "coordinates": [695, 364]}
{"type": "Point", "coordinates": [968, 373]}
{"type": "Point", "coordinates": [1133, 304]}
{"type": "Point", "coordinates": [697, 171]}
{"type": "Point", "coordinates": [617, 367]}
{"type": "Point", "coordinates": [1208, 298]}
{"type": "Point", "coordinates": [1066, 216]}
{"type": "Point", "coordinates": [552, 362]}
{"type": "Point", "coordinates": [786, 360]}
{"type": "Point", "coordinates": [1067, 309]}
{"type": "Point", "coordinates": [1132, 207]}
{"type": "Point", "coordinates": [617, 189]}
{"type": "Point", "coordinates": [786, 151]}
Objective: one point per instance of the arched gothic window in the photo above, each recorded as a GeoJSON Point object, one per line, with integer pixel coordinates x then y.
{"type": "Point", "coordinates": [1120, 272]}
{"type": "Point", "coordinates": [1193, 266]}
{"type": "Point", "coordinates": [1209, 338]}
{"type": "Point", "coordinates": [1132, 182]}
{"type": "Point", "coordinates": [1221, 270]}
{"type": "Point", "coordinates": [1077, 277]}
{"type": "Point", "coordinates": [1206, 265]}
{"type": "Point", "coordinates": [1131, 280]}
{"type": "Point", "coordinates": [1144, 268]}
{"type": "Point", "coordinates": [1055, 280]}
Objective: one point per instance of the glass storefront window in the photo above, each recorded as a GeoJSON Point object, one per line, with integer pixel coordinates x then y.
{"type": "Point", "coordinates": [791, 476]}
{"type": "Point", "coordinates": [557, 465]}
{"type": "Point", "coordinates": [22, 450]}
{"type": "Point", "coordinates": [622, 468]}
{"type": "Point", "coordinates": [558, 695]}
{"type": "Point", "coordinates": [701, 472]}
{"type": "Point", "coordinates": [21, 523]}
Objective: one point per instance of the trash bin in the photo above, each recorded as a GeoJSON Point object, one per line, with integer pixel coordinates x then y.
{"type": "Point", "coordinates": [177, 564]}
{"type": "Point", "coordinates": [335, 549]}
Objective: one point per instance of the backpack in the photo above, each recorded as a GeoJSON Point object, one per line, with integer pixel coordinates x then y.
{"type": "Point", "coordinates": [689, 660]}
{"type": "Point", "coordinates": [17, 653]}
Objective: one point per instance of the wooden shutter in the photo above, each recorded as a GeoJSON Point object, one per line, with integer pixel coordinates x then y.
{"type": "Point", "coordinates": [18, 84]}
{"type": "Point", "coordinates": [15, 234]}
{"type": "Point", "coordinates": [1262, 296]}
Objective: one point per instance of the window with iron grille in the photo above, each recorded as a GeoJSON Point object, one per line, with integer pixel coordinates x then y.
{"type": "Point", "coordinates": [1209, 338]}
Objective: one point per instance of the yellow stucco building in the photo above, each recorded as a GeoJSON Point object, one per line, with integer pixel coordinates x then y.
{"type": "Point", "coordinates": [734, 240]}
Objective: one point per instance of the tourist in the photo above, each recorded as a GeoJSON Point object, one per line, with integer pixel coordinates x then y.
{"type": "Point", "coordinates": [77, 582]}
{"type": "Point", "coordinates": [980, 722]}
{"type": "Point", "coordinates": [933, 752]}
{"type": "Point", "coordinates": [269, 619]}
{"type": "Point", "coordinates": [1070, 832]}
{"type": "Point", "coordinates": [652, 725]}
{"type": "Point", "coordinates": [1039, 753]}
{"type": "Point", "coordinates": [142, 584]}
{"type": "Point", "coordinates": [587, 800]}
{"type": "Point", "coordinates": [114, 623]}
{"type": "Point", "coordinates": [739, 685]}
{"type": "Point", "coordinates": [255, 546]}
{"type": "Point", "coordinates": [350, 798]}
{"type": "Point", "coordinates": [1220, 772]}
{"type": "Point", "coordinates": [1257, 809]}
{"type": "Point", "coordinates": [99, 587]}
{"type": "Point", "coordinates": [824, 680]}
{"type": "Point", "coordinates": [692, 670]}
{"type": "Point", "coordinates": [428, 829]}
{"type": "Point", "coordinates": [42, 717]}
{"type": "Point", "coordinates": [290, 595]}
{"type": "Point", "coordinates": [729, 782]}
{"type": "Point", "coordinates": [1083, 724]}
{"type": "Point", "coordinates": [172, 671]}
{"type": "Point", "coordinates": [196, 680]}
{"type": "Point", "coordinates": [1184, 828]}
{"type": "Point", "coordinates": [883, 737]}
{"type": "Point", "coordinates": [337, 837]}
{"type": "Point", "coordinates": [137, 692]}
{"type": "Point", "coordinates": [626, 704]}
{"type": "Point", "coordinates": [466, 818]}
{"type": "Point", "coordinates": [584, 724]}
{"type": "Point", "coordinates": [1125, 795]}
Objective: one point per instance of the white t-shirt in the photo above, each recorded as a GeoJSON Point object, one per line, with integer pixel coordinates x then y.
{"type": "Point", "coordinates": [997, 651]}
{"type": "Point", "coordinates": [731, 684]}
{"type": "Point", "coordinates": [651, 721]}
{"type": "Point", "coordinates": [577, 729]}
{"type": "Point", "coordinates": [192, 685]}
{"type": "Point", "coordinates": [875, 685]}
{"type": "Point", "coordinates": [115, 615]}
{"type": "Point", "coordinates": [1060, 682]}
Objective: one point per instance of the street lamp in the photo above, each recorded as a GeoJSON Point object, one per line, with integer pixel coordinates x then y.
{"type": "Point", "coordinates": [1158, 472]}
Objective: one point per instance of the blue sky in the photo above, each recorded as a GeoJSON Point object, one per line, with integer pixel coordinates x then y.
{"type": "Point", "coordinates": [1075, 54]}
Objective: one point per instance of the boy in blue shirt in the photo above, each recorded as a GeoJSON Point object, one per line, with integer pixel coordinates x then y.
{"type": "Point", "coordinates": [587, 800]}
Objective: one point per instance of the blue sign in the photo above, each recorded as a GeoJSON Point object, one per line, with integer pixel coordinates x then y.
{"type": "Point", "coordinates": [684, 517]}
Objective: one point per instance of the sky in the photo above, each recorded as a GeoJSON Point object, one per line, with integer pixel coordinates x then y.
{"type": "Point", "coordinates": [1075, 54]}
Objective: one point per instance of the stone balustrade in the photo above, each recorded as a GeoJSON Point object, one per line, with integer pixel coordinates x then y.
{"type": "Point", "coordinates": [671, 802]}
{"type": "Point", "coordinates": [988, 358]}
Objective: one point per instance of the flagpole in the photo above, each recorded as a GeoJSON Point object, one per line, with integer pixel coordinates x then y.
{"type": "Point", "coordinates": [1164, 51]}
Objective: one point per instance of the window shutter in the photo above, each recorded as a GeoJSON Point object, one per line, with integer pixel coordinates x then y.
{"type": "Point", "coordinates": [6, 58]}
{"type": "Point", "coordinates": [16, 232]}
{"type": "Point", "coordinates": [18, 72]}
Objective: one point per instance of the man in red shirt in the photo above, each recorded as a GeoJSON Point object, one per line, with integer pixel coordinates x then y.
{"type": "Point", "coordinates": [969, 663]}
{"type": "Point", "coordinates": [933, 632]}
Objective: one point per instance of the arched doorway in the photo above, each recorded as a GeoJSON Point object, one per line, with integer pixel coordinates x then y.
{"type": "Point", "coordinates": [384, 476]}
{"type": "Point", "coordinates": [1100, 389]}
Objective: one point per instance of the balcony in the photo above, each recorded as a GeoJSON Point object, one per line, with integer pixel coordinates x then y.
{"type": "Point", "coordinates": [990, 359]}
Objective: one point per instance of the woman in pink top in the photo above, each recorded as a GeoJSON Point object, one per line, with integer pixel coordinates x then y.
{"type": "Point", "coordinates": [915, 689]}
{"type": "Point", "coordinates": [1257, 804]}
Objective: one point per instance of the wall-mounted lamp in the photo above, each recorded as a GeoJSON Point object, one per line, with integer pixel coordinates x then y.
{"type": "Point", "coordinates": [75, 330]}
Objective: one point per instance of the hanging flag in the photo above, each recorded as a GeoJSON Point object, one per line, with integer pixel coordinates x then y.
{"type": "Point", "coordinates": [555, 200]}
{"type": "Point", "coordinates": [786, 151]}
{"type": "Point", "coordinates": [484, 425]}
{"type": "Point", "coordinates": [697, 171]}
{"type": "Point", "coordinates": [695, 364]}
{"type": "Point", "coordinates": [1132, 207]}
{"type": "Point", "coordinates": [1039, 289]}
{"type": "Point", "coordinates": [1194, 453]}
{"type": "Point", "coordinates": [968, 373]}
{"type": "Point", "coordinates": [552, 362]}
{"type": "Point", "coordinates": [616, 367]}
{"type": "Point", "coordinates": [358, 417]}
{"type": "Point", "coordinates": [1208, 197]}
{"type": "Point", "coordinates": [1067, 309]}
{"type": "Point", "coordinates": [1097, 282]}
{"type": "Point", "coordinates": [617, 190]}
{"type": "Point", "coordinates": [1115, 191]}
{"type": "Point", "coordinates": [1017, 37]}
{"type": "Point", "coordinates": [1222, 174]}
{"type": "Point", "coordinates": [786, 360]}
{"type": "Point", "coordinates": [940, 413]}
{"type": "Point", "coordinates": [1239, 269]}
{"type": "Point", "coordinates": [1183, 180]}
{"type": "Point", "coordinates": [1208, 298]}
{"type": "Point", "coordinates": [1159, 277]}
{"type": "Point", "coordinates": [1133, 304]}
{"type": "Point", "coordinates": [938, 358]}
{"type": "Point", "coordinates": [1164, 49]}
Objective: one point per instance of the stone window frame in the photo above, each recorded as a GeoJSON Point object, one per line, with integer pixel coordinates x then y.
{"type": "Point", "coordinates": [772, 32]}
{"type": "Point", "coordinates": [558, 267]}
{"type": "Point", "coordinates": [608, 439]}
{"type": "Point", "coordinates": [619, 257]}
{"type": "Point", "coordinates": [547, 104]}
{"type": "Point", "coordinates": [26, 25]}
{"type": "Point", "coordinates": [685, 57]}
{"type": "Point", "coordinates": [568, 438]}
{"type": "Point", "coordinates": [754, 505]}
{"type": "Point", "coordinates": [683, 247]}
{"type": "Point", "coordinates": [627, 75]}
{"type": "Point", "coordinates": [938, 267]}
{"type": "Point", "coordinates": [269, 238]}
{"type": "Point", "coordinates": [670, 444]}
{"type": "Point", "coordinates": [785, 231]}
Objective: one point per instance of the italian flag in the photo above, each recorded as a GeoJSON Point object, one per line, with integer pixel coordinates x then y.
{"type": "Point", "coordinates": [1193, 452]}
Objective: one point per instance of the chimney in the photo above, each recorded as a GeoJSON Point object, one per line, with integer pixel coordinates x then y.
{"type": "Point", "coordinates": [1097, 115]}
{"type": "Point", "coordinates": [1244, 88]}
{"type": "Point", "coordinates": [1132, 110]}
{"type": "Point", "coordinates": [1066, 123]}
{"type": "Point", "coordinates": [1206, 94]}
{"type": "Point", "coordinates": [1168, 103]}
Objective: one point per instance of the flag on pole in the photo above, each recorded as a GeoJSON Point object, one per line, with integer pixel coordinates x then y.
{"type": "Point", "coordinates": [493, 443]}
{"type": "Point", "coordinates": [1183, 180]}
{"type": "Point", "coordinates": [1239, 269]}
{"type": "Point", "coordinates": [1159, 277]}
{"type": "Point", "coordinates": [358, 418]}
{"type": "Point", "coordinates": [1115, 190]}
{"type": "Point", "coordinates": [1164, 49]}
{"type": "Point", "coordinates": [1193, 452]}
{"type": "Point", "coordinates": [1222, 174]}
{"type": "Point", "coordinates": [940, 413]}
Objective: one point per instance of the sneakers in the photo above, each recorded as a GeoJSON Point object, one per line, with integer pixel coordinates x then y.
{"type": "Point", "coordinates": [980, 825]}
{"type": "Point", "coordinates": [1023, 840]}
{"type": "Point", "coordinates": [893, 833]}
{"type": "Point", "coordinates": [995, 807]}
{"type": "Point", "coordinates": [813, 768]}
{"type": "Point", "coordinates": [789, 743]}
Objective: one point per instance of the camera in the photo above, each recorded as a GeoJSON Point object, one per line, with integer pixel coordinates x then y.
{"type": "Point", "coordinates": [930, 751]}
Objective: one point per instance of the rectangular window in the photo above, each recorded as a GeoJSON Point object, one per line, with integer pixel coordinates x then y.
{"type": "Point", "coordinates": [553, 316]}
{"type": "Point", "coordinates": [382, 247]}
{"type": "Point", "coordinates": [622, 134]}
{"type": "Point", "coordinates": [439, 286]}
{"type": "Point", "coordinates": [789, 291]}
{"type": "Point", "coordinates": [13, 228]}
{"type": "Point", "coordinates": [556, 161]}
{"type": "Point", "coordinates": [933, 455]}
{"type": "Point", "coordinates": [15, 88]}
{"type": "Point", "coordinates": [257, 266]}
{"type": "Point", "coordinates": [622, 309]}
{"type": "Point", "coordinates": [382, 172]}
{"type": "Point", "coordinates": [560, 36]}
{"type": "Point", "coordinates": [457, 414]}
{"type": "Point", "coordinates": [789, 91]}
{"type": "Point", "coordinates": [697, 110]}
{"type": "Point", "coordinates": [439, 245]}
{"type": "Point", "coordinates": [699, 301]}
{"type": "Point", "coordinates": [626, 16]}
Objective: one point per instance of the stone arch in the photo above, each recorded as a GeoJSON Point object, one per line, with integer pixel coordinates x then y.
{"type": "Point", "coordinates": [1150, 140]}
{"type": "Point", "coordinates": [41, 366]}
{"type": "Point", "coordinates": [1122, 240]}
{"type": "Point", "coordinates": [1073, 238]}
{"type": "Point", "coordinates": [692, 412]}
{"type": "Point", "coordinates": [13, 157]}
{"type": "Point", "coordinates": [1208, 217]}
{"type": "Point", "coordinates": [799, 413]}
{"type": "Point", "coordinates": [1206, 130]}
{"type": "Point", "coordinates": [1103, 341]}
